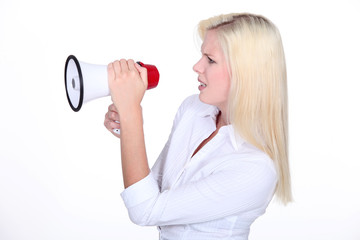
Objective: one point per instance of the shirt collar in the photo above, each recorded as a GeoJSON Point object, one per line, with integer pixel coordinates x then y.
{"type": "Point", "coordinates": [208, 111]}
{"type": "Point", "coordinates": [212, 111]}
{"type": "Point", "coordinates": [235, 139]}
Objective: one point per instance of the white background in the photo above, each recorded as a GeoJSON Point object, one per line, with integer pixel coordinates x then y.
{"type": "Point", "coordinates": [60, 173]}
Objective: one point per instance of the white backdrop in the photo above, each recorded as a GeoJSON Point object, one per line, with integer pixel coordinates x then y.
{"type": "Point", "coordinates": [60, 174]}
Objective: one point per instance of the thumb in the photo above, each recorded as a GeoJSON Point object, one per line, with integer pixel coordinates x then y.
{"type": "Point", "coordinates": [143, 73]}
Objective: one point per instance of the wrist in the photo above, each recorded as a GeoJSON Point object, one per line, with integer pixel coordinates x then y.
{"type": "Point", "coordinates": [131, 115]}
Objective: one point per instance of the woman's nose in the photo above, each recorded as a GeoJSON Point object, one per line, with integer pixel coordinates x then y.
{"type": "Point", "coordinates": [197, 67]}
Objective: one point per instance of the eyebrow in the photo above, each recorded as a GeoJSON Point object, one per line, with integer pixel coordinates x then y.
{"type": "Point", "coordinates": [206, 53]}
{"type": "Point", "coordinates": [209, 55]}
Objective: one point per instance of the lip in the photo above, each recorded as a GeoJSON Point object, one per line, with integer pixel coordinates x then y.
{"type": "Point", "coordinates": [201, 81]}
{"type": "Point", "coordinates": [202, 85]}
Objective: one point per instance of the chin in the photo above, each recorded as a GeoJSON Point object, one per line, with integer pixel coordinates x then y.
{"type": "Point", "coordinates": [202, 99]}
{"type": "Point", "coordinates": [205, 99]}
{"type": "Point", "coordinates": [219, 103]}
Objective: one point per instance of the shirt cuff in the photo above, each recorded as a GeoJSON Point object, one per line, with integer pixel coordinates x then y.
{"type": "Point", "coordinates": [140, 191]}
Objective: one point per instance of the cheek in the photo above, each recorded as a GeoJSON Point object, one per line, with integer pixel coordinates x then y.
{"type": "Point", "coordinates": [223, 80]}
{"type": "Point", "coordinates": [226, 77]}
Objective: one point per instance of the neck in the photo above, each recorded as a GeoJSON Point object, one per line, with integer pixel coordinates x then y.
{"type": "Point", "coordinates": [221, 120]}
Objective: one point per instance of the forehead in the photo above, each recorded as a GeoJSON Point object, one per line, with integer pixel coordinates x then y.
{"type": "Point", "coordinates": [211, 42]}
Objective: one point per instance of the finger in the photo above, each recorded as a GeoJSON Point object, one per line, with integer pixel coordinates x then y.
{"type": "Point", "coordinates": [114, 125]}
{"type": "Point", "coordinates": [110, 125]}
{"type": "Point", "coordinates": [143, 73]}
{"type": "Point", "coordinates": [112, 108]}
{"type": "Point", "coordinates": [107, 124]}
{"type": "Point", "coordinates": [117, 68]}
{"type": "Point", "coordinates": [110, 116]}
{"type": "Point", "coordinates": [131, 65]}
{"type": "Point", "coordinates": [111, 71]}
{"type": "Point", "coordinates": [113, 116]}
{"type": "Point", "coordinates": [124, 65]}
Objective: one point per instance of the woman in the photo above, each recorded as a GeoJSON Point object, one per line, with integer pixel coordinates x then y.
{"type": "Point", "coordinates": [227, 152]}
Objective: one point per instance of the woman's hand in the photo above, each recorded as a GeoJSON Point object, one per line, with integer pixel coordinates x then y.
{"type": "Point", "coordinates": [127, 83]}
{"type": "Point", "coordinates": [111, 121]}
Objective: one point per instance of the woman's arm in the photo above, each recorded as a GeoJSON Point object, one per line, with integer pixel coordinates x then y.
{"type": "Point", "coordinates": [236, 187]}
{"type": "Point", "coordinates": [133, 154]}
{"type": "Point", "coordinates": [128, 82]}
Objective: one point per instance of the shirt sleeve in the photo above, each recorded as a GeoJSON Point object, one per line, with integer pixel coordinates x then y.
{"type": "Point", "coordinates": [235, 187]}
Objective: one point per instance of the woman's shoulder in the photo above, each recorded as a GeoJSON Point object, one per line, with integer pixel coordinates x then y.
{"type": "Point", "coordinates": [249, 154]}
{"type": "Point", "coordinates": [240, 152]}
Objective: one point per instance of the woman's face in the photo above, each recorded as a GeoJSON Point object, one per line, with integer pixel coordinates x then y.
{"type": "Point", "coordinates": [213, 72]}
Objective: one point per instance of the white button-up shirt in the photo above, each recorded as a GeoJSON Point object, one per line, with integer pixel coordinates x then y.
{"type": "Point", "coordinates": [216, 194]}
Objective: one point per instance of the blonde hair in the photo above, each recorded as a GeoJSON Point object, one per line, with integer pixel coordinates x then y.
{"type": "Point", "coordinates": [257, 106]}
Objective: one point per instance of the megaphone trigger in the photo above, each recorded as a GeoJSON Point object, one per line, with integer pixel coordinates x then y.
{"type": "Point", "coordinates": [117, 131]}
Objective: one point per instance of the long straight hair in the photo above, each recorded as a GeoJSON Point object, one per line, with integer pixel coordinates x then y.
{"type": "Point", "coordinates": [257, 105]}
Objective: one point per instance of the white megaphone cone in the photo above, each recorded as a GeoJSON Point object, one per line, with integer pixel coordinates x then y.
{"type": "Point", "coordinates": [85, 82]}
{"type": "Point", "coordinates": [77, 90]}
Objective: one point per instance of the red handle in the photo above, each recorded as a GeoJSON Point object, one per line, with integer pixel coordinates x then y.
{"type": "Point", "coordinates": [153, 75]}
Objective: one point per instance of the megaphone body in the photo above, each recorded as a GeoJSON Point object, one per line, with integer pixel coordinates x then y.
{"type": "Point", "coordinates": [85, 82]}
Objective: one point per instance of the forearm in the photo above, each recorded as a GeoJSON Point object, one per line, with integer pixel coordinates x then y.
{"type": "Point", "coordinates": [133, 153]}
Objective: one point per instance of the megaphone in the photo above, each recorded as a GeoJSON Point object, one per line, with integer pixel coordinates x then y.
{"type": "Point", "coordinates": [85, 82]}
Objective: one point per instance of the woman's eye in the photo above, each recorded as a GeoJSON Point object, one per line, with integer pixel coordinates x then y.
{"type": "Point", "coordinates": [210, 60]}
